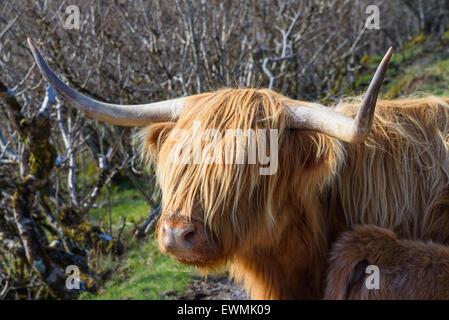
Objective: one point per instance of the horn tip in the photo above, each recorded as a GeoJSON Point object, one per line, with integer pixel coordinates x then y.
{"type": "Point", "coordinates": [32, 46]}
{"type": "Point", "coordinates": [389, 53]}
{"type": "Point", "coordinates": [30, 42]}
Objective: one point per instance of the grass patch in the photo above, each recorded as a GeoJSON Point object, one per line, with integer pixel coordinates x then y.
{"type": "Point", "coordinates": [431, 77]}
{"type": "Point", "coordinates": [142, 272]}
{"type": "Point", "coordinates": [126, 201]}
{"type": "Point", "coordinates": [421, 66]}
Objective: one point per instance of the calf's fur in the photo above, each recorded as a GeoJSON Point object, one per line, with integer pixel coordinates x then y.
{"type": "Point", "coordinates": [408, 269]}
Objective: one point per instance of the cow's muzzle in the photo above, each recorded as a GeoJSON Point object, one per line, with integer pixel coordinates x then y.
{"type": "Point", "coordinates": [181, 238]}
{"type": "Point", "coordinates": [188, 241]}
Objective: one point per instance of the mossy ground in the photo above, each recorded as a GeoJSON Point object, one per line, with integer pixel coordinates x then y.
{"type": "Point", "coordinates": [421, 67]}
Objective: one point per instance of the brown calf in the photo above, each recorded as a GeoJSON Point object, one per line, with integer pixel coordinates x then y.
{"type": "Point", "coordinates": [408, 269]}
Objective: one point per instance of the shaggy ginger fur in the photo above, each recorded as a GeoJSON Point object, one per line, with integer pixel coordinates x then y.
{"type": "Point", "coordinates": [274, 231]}
{"type": "Point", "coordinates": [408, 269]}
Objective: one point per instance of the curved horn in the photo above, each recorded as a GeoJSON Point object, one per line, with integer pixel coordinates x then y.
{"type": "Point", "coordinates": [122, 115]}
{"type": "Point", "coordinates": [335, 124]}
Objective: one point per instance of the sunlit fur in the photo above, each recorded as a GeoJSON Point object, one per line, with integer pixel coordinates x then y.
{"type": "Point", "coordinates": [274, 231]}
{"type": "Point", "coordinates": [408, 269]}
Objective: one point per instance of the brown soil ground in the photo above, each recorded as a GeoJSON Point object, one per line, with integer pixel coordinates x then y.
{"type": "Point", "coordinates": [212, 288]}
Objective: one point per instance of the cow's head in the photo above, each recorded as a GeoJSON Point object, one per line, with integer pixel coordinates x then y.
{"type": "Point", "coordinates": [213, 209]}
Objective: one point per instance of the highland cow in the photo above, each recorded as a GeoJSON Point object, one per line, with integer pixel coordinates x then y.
{"type": "Point", "coordinates": [337, 166]}
{"type": "Point", "coordinates": [407, 269]}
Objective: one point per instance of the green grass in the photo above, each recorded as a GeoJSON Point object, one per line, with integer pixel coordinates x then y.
{"type": "Point", "coordinates": [423, 76]}
{"type": "Point", "coordinates": [142, 272]}
{"type": "Point", "coordinates": [126, 201]}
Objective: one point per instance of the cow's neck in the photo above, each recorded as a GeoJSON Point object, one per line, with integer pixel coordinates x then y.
{"type": "Point", "coordinates": [293, 267]}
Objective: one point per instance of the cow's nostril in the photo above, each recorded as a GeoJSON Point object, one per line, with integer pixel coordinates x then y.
{"type": "Point", "coordinates": [189, 237]}
{"type": "Point", "coordinates": [180, 239]}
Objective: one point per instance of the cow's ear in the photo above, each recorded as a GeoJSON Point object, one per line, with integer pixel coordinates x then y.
{"type": "Point", "coordinates": [152, 138]}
